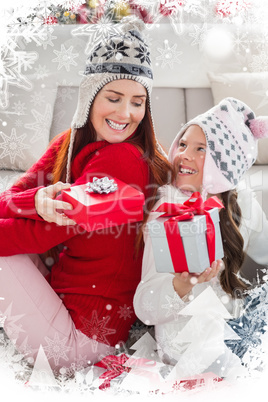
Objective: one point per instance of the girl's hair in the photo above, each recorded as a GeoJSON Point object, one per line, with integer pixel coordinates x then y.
{"type": "Point", "coordinates": [233, 242]}
{"type": "Point", "coordinates": [161, 171]}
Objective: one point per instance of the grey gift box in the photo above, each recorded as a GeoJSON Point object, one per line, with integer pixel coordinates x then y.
{"type": "Point", "coordinates": [193, 234]}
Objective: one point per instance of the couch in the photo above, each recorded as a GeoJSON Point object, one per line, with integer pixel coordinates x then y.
{"type": "Point", "coordinates": [187, 82]}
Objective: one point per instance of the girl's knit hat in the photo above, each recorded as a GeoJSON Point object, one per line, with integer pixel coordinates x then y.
{"type": "Point", "coordinates": [121, 56]}
{"type": "Point", "coordinates": [231, 131]}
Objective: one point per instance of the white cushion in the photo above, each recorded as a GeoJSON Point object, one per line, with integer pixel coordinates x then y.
{"type": "Point", "coordinates": [25, 125]}
{"type": "Point", "coordinates": [251, 88]}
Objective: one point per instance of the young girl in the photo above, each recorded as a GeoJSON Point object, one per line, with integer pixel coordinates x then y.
{"type": "Point", "coordinates": [83, 307]}
{"type": "Point", "coordinates": [210, 155]}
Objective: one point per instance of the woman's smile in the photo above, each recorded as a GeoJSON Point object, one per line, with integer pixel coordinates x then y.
{"type": "Point", "coordinates": [116, 126]}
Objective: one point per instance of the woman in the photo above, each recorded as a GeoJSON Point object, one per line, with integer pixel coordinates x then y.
{"type": "Point", "coordinates": [84, 306]}
{"type": "Point", "coordinates": [210, 155]}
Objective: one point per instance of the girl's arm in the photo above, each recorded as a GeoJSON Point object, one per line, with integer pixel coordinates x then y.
{"type": "Point", "coordinates": [158, 291]}
{"type": "Point", "coordinates": [155, 291]}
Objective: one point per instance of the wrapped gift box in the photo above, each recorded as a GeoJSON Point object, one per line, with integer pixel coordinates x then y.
{"type": "Point", "coordinates": [96, 211]}
{"type": "Point", "coordinates": [193, 234]}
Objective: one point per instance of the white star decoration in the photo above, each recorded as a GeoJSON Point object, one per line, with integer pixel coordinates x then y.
{"type": "Point", "coordinates": [169, 55]}
{"type": "Point", "coordinates": [13, 145]}
{"type": "Point", "coordinates": [65, 57]}
{"type": "Point", "coordinates": [56, 348]}
{"type": "Point", "coordinates": [41, 124]}
{"type": "Point", "coordinates": [173, 306]}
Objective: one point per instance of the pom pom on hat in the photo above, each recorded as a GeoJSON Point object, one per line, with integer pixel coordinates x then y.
{"type": "Point", "coordinates": [131, 23]}
{"type": "Point", "coordinates": [259, 127]}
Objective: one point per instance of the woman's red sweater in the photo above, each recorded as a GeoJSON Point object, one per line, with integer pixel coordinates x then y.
{"type": "Point", "coordinates": [97, 272]}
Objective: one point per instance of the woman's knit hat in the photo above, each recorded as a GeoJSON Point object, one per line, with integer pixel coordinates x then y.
{"type": "Point", "coordinates": [231, 131]}
{"type": "Point", "coordinates": [121, 56]}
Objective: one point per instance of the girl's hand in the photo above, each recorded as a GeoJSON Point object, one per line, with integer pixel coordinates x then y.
{"type": "Point", "coordinates": [46, 205]}
{"type": "Point", "coordinates": [184, 282]}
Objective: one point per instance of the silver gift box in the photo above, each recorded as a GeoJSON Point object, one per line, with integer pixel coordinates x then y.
{"type": "Point", "coordinates": [193, 234]}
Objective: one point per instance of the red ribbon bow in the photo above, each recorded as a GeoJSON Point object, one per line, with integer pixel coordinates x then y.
{"type": "Point", "coordinates": [186, 211]}
{"type": "Point", "coordinates": [115, 366]}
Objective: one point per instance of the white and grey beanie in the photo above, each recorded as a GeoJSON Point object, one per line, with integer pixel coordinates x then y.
{"type": "Point", "coordinates": [120, 56]}
{"type": "Point", "coordinates": [231, 131]}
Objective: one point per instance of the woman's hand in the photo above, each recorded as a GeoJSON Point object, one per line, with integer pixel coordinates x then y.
{"type": "Point", "coordinates": [184, 282]}
{"type": "Point", "coordinates": [46, 205]}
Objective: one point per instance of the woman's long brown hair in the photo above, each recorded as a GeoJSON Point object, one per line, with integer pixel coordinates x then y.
{"type": "Point", "coordinates": [230, 219]}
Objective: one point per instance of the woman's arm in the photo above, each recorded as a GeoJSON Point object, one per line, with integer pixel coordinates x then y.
{"type": "Point", "coordinates": [21, 236]}
{"type": "Point", "coordinates": [28, 236]}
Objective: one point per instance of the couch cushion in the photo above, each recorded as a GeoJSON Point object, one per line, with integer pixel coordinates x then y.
{"type": "Point", "coordinates": [64, 108]}
{"type": "Point", "coordinates": [251, 88]}
{"type": "Point", "coordinates": [8, 178]}
{"type": "Point", "coordinates": [168, 107]}
{"type": "Point", "coordinates": [257, 179]}
{"type": "Point", "coordinates": [25, 124]}
{"type": "Point", "coordinates": [197, 100]}
{"type": "Point", "coordinates": [262, 158]}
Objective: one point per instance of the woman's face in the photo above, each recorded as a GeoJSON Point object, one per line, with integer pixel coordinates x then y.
{"type": "Point", "coordinates": [190, 158]}
{"type": "Point", "coordinates": [117, 110]}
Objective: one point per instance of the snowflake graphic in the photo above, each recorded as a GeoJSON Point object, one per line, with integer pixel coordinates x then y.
{"type": "Point", "coordinates": [65, 57]}
{"type": "Point", "coordinates": [41, 124]}
{"type": "Point", "coordinates": [13, 145]}
{"type": "Point", "coordinates": [13, 329]}
{"type": "Point", "coordinates": [143, 54]}
{"type": "Point", "coordinates": [96, 329]}
{"type": "Point", "coordinates": [125, 312]}
{"type": "Point", "coordinates": [41, 72]}
{"type": "Point", "coordinates": [65, 92]}
{"type": "Point", "coordinates": [148, 306]}
{"type": "Point", "coordinates": [47, 40]}
{"type": "Point", "coordinates": [199, 35]}
{"type": "Point", "coordinates": [192, 363]}
{"type": "Point", "coordinates": [2, 319]}
{"type": "Point", "coordinates": [38, 98]}
{"type": "Point", "coordinates": [194, 7]}
{"type": "Point", "coordinates": [102, 29]}
{"type": "Point", "coordinates": [167, 345]}
{"type": "Point", "coordinates": [18, 123]}
{"type": "Point", "coordinates": [56, 348]}
{"type": "Point", "coordinates": [240, 41]}
{"type": "Point", "coordinates": [19, 108]}
{"type": "Point", "coordinates": [169, 55]}
{"type": "Point", "coordinates": [138, 330]}
{"type": "Point", "coordinates": [259, 63]}
{"type": "Point", "coordinates": [173, 307]}
{"type": "Point", "coordinates": [116, 50]}
{"type": "Point", "coordinates": [12, 65]}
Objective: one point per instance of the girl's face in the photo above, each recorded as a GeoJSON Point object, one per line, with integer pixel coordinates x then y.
{"type": "Point", "coordinates": [190, 158]}
{"type": "Point", "coordinates": [117, 110]}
